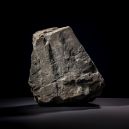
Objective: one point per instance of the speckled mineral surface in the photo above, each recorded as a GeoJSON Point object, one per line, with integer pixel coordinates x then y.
{"type": "Point", "coordinates": [61, 70]}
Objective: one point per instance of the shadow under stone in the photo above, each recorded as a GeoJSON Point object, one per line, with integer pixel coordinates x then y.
{"type": "Point", "coordinates": [35, 109]}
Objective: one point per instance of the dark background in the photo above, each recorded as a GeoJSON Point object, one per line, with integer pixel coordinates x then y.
{"type": "Point", "coordinates": [102, 34]}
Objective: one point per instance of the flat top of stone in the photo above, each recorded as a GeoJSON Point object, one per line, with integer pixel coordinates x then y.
{"type": "Point", "coordinates": [58, 30]}
{"type": "Point", "coordinates": [48, 31]}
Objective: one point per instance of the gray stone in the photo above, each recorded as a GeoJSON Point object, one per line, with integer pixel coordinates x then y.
{"type": "Point", "coordinates": [61, 69]}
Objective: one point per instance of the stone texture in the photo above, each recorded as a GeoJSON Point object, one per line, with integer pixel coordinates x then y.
{"type": "Point", "coordinates": [61, 70]}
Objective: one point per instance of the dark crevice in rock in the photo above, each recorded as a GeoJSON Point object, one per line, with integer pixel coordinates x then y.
{"type": "Point", "coordinates": [53, 63]}
{"type": "Point", "coordinates": [51, 57]}
{"type": "Point", "coordinates": [57, 88]}
{"type": "Point", "coordinates": [71, 82]}
{"type": "Point", "coordinates": [83, 81]}
{"type": "Point", "coordinates": [71, 52]}
{"type": "Point", "coordinates": [36, 71]}
{"type": "Point", "coordinates": [62, 39]}
{"type": "Point", "coordinates": [35, 88]}
{"type": "Point", "coordinates": [44, 41]}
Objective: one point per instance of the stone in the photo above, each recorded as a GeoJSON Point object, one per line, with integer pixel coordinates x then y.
{"type": "Point", "coordinates": [61, 70]}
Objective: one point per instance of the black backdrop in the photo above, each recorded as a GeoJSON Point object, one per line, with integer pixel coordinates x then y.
{"type": "Point", "coordinates": [102, 35]}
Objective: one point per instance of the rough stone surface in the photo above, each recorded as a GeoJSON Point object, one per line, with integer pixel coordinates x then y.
{"type": "Point", "coordinates": [61, 69]}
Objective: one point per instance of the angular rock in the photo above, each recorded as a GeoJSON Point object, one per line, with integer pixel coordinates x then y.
{"type": "Point", "coordinates": [61, 70]}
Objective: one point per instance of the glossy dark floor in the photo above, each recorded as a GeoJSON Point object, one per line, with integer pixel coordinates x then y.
{"type": "Point", "coordinates": [103, 113]}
